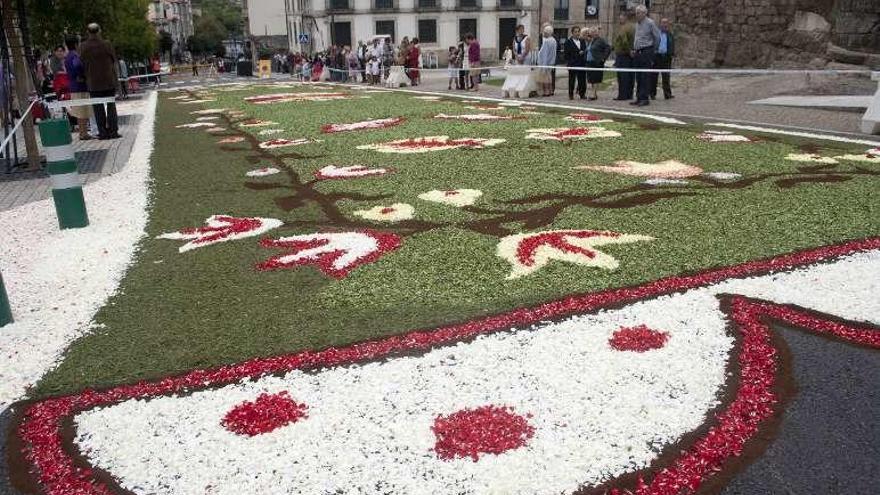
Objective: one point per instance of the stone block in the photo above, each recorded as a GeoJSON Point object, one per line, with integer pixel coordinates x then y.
{"type": "Point", "coordinates": [845, 56]}
{"type": "Point", "coordinates": [809, 22]}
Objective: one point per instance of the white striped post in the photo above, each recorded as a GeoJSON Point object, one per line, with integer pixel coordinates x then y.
{"type": "Point", "coordinates": [5, 310]}
{"type": "Point", "coordinates": [70, 206]}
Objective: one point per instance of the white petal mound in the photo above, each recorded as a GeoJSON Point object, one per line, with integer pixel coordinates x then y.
{"type": "Point", "coordinates": [669, 169]}
{"type": "Point", "coordinates": [393, 213]}
{"type": "Point", "coordinates": [262, 172]}
{"type": "Point", "coordinates": [570, 133]}
{"type": "Point", "coordinates": [811, 157]}
{"type": "Point", "coordinates": [453, 197]}
{"type": "Point", "coordinates": [430, 143]}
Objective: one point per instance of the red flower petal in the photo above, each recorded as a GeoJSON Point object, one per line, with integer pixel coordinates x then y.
{"type": "Point", "coordinates": [269, 412]}
{"type": "Point", "coordinates": [484, 430]}
{"type": "Point", "coordinates": [638, 339]}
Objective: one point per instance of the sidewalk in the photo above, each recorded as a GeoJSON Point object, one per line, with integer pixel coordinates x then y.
{"type": "Point", "coordinates": [95, 158]}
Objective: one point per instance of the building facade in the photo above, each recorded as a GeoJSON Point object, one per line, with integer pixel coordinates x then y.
{"type": "Point", "coordinates": [315, 25]}
{"type": "Point", "coordinates": [174, 17]}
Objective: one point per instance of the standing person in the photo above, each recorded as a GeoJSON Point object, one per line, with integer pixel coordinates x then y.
{"type": "Point", "coordinates": [596, 52]}
{"type": "Point", "coordinates": [573, 50]}
{"type": "Point", "coordinates": [623, 42]}
{"type": "Point", "coordinates": [156, 68]}
{"type": "Point", "coordinates": [123, 78]}
{"type": "Point", "coordinates": [464, 69]}
{"type": "Point", "coordinates": [375, 70]}
{"type": "Point", "coordinates": [414, 56]}
{"type": "Point", "coordinates": [663, 60]}
{"type": "Point", "coordinates": [647, 37]}
{"type": "Point", "coordinates": [473, 58]}
{"type": "Point", "coordinates": [507, 56]}
{"type": "Point", "coordinates": [547, 57]}
{"type": "Point", "coordinates": [522, 46]}
{"type": "Point", "coordinates": [387, 57]}
{"type": "Point", "coordinates": [76, 78]}
{"type": "Point", "coordinates": [99, 61]}
{"type": "Point", "coordinates": [452, 67]}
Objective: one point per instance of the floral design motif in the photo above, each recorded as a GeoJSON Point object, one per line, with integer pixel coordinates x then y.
{"type": "Point", "coordinates": [723, 176]}
{"type": "Point", "coordinates": [453, 197]}
{"type": "Point", "coordinates": [528, 253]}
{"type": "Point", "coordinates": [722, 137]}
{"type": "Point", "coordinates": [811, 157]}
{"type": "Point", "coordinates": [669, 169]}
{"type": "Point", "coordinates": [867, 157]}
{"type": "Point", "coordinates": [215, 129]}
{"type": "Point", "coordinates": [475, 117]}
{"type": "Point", "coordinates": [256, 123]}
{"type": "Point", "coordinates": [665, 182]}
{"type": "Point", "coordinates": [104, 416]}
{"type": "Point", "coordinates": [430, 143]}
{"type": "Point", "coordinates": [193, 125]}
{"type": "Point", "coordinates": [637, 339]}
{"type": "Point", "coordinates": [331, 172]}
{"type": "Point", "coordinates": [394, 213]}
{"type": "Point", "coordinates": [334, 253]}
{"type": "Point", "coordinates": [222, 228]}
{"type": "Point", "coordinates": [483, 430]}
{"type": "Point", "coordinates": [363, 125]}
{"type": "Point", "coordinates": [281, 143]}
{"type": "Point", "coordinates": [208, 111]}
{"type": "Point", "coordinates": [207, 118]}
{"type": "Point", "coordinates": [262, 172]}
{"type": "Point", "coordinates": [570, 134]}
{"type": "Point", "coordinates": [288, 97]}
{"type": "Point", "coordinates": [267, 413]}
{"type": "Point", "coordinates": [483, 106]}
{"type": "Point", "coordinates": [587, 118]}
{"type": "Point", "coordinates": [267, 132]}
{"type": "Point", "coordinates": [231, 140]}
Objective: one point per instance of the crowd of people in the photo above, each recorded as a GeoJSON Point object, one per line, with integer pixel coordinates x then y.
{"type": "Point", "coordinates": [81, 71]}
{"type": "Point", "coordinates": [639, 43]}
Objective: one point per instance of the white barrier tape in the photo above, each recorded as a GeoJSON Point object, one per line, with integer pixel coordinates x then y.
{"type": "Point", "coordinates": [80, 102]}
{"type": "Point", "coordinates": [658, 71]}
{"type": "Point", "coordinates": [65, 181]}
{"type": "Point", "coordinates": [810, 135]}
{"type": "Point", "coordinates": [17, 125]}
{"type": "Point", "coordinates": [154, 74]}
{"type": "Point", "coordinates": [59, 153]}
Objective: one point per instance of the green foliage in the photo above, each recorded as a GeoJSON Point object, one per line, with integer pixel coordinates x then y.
{"type": "Point", "coordinates": [124, 23]}
{"type": "Point", "coordinates": [226, 12]}
{"type": "Point", "coordinates": [209, 306]}
{"type": "Point", "coordinates": [208, 36]}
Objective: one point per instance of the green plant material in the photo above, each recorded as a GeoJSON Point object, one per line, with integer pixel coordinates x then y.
{"type": "Point", "coordinates": [209, 306]}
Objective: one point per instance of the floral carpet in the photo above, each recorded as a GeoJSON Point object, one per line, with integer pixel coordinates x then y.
{"type": "Point", "coordinates": [346, 290]}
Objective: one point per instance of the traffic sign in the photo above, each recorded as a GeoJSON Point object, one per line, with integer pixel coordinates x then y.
{"type": "Point", "coordinates": [303, 39]}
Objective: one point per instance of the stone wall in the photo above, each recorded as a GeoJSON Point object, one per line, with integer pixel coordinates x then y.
{"type": "Point", "coordinates": [774, 33]}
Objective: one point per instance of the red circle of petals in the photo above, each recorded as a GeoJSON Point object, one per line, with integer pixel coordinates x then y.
{"type": "Point", "coordinates": [638, 339]}
{"type": "Point", "coordinates": [484, 430]}
{"type": "Point", "coordinates": [267, 413]}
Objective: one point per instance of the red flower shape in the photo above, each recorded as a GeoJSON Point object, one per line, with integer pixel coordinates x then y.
{"type": "Point", "coordinates": [484, 430]}
{"type": "Point", "coordinates": [638, 339]}
{"type": "Point", "coordinates": [269, 412]}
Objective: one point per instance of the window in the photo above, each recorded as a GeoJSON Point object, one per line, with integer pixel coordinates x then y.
{"type": "Point", "coordinates": [428, 4]}
{"type": "Point", "coordinates": [386, 27]}
{"type": "Point", "coordinates": [339, 5]}
{"type": "Point", "coordinates": [507, 4]}
{"type": "Point", "coordinates": [591, 9]}
{"type": "Point", "coordinates": [384, 4]}
{"type": "Point", "coordinates": [428, 30]}
{"type": "Point", "coordinates": [466, 26]}
{"type": "Point", "coordinates": [468, 4]}
{"type": "Point", "coordinates": [560, 10]}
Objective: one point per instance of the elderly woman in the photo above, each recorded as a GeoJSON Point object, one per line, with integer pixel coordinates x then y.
{"type": "Point", "coordinates": [596, 52]}
{"type": "Point", "coordinates": [546, 59]}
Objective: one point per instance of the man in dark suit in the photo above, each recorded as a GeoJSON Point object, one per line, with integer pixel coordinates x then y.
{"type": "Point", "coordinates": [100, 64]}
{"type": "Point", "coordinates": [663, 60]}
{"type": "Point", "coordinates": [573, 48]}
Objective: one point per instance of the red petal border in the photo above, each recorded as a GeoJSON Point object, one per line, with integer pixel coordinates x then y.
{"type": "Point", "coordinates": [40, 427]}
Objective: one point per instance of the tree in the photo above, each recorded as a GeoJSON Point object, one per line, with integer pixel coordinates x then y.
{"type": "Point", "coordinates": [124, 23]}
{"type": "Point", "coordinates": [208, 35]}
{"type": "Point", "coordinates": [225, 11]}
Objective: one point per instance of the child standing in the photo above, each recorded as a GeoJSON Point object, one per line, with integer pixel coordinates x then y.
{"type": "Point", "coordinates": [374, 70]}
{"type": "Point", "coordinates": [452, 67]}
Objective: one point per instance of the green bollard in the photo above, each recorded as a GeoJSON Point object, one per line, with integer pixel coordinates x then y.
{"type": "Point", "coordinates": [5, 310]}
{"type": "Point", "coordinates": [70, 205]}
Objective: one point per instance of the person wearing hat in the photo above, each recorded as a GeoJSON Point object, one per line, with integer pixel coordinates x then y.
{"type": "Point", "coordinates": [100, 64]}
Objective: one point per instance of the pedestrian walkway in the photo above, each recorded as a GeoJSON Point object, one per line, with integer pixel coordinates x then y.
{"type": "Point", "coordinates": [95, 158]}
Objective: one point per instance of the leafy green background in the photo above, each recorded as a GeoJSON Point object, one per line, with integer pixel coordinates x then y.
{"type": "Point", "coordinates": [209, 306]}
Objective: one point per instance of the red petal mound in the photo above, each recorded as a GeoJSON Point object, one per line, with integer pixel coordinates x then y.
{"type": "Point", "coordinates": [267, 413]}
{"type": "Point", "coordinates": [638, 339]}
{"type": "Point", "coordinates": [484, 430]}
